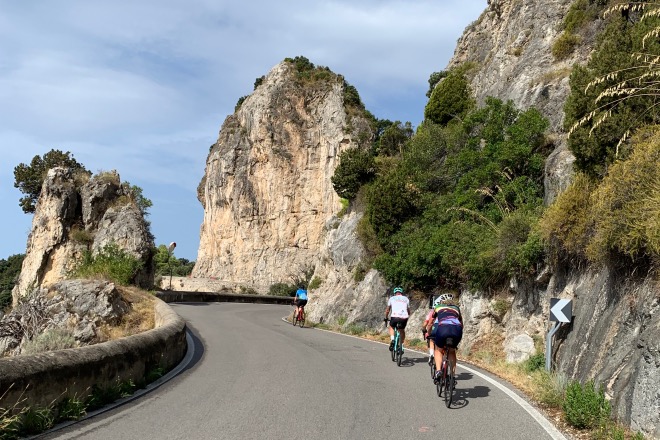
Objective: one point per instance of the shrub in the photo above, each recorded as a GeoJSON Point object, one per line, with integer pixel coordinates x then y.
{"type": "Point", "coordinates": [112, 263]}
{"type": "Point", "coordinates": [80, 235]}
{"type": "Point", "coordinates": [70, 408]}
{"type": "Point", "coordinates": [550, 387]}
{"type": "Point", "coordinates": [355, 329]}
{"type": "Point", "coordinates": [282, 289]}
{"type": "Point", "coordinates": [567, 224]}
{"type": "Point", "coordinates": [356, 167]}
{"type": "Point", "coordinates": [315, 283]}
{"type": "Point", "coordinates": [36, 420]}
{"type": "Point", "coordinates": [451, 98]}
{"type": "Point", "coordinates": [341, 320]}
{"type": "Point", "coordinates": [534, 363]}
{"type": "Point", "coordinates": [50, 340]}
{"type": "Point", "coordinates": [345, 203]}
{"type": "Point", "coordinates": [584, 405]}
{"type": "Point", "coordinates": [564, 46]}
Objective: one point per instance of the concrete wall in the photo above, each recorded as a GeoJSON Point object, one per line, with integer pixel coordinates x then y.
{"type": "Point", "coordinates": [42, 379]}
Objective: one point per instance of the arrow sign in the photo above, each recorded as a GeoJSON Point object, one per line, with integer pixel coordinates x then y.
{"type": "Point", "coordinates": [560, 310]}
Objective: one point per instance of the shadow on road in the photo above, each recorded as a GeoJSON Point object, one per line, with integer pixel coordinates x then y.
{"type": "Point", "coordinates": [410, 362]}
{"type": "Point", "coordinates": [198, 347]}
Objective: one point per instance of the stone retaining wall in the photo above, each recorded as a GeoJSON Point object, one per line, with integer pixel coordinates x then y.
{"type": "Point", "coordinates": [42, 379]}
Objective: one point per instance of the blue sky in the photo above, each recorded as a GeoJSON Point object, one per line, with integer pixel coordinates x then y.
{"type": "Point", "coordinates": [143, 87]}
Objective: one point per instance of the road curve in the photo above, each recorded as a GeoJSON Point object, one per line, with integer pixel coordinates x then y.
{"type": "Point", "coordinates": [258, 377]}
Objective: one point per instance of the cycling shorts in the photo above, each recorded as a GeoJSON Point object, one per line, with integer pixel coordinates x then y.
{"type": "Point", "coordinates": [301, 302]}
{"type": "Point", "coordinates": [455, 332]}
{"type": "Point", "coordinates": [401, 321]}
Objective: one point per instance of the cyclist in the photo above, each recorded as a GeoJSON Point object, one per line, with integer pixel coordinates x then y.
{"type": "Point", "coordinates": [399, 305]}
{"type": "Point", "coordinates": [447, 323]}
{"type": "Point", "coordinates": [299, 301]}
{"type": "Point", "coordinates": [428, 336]}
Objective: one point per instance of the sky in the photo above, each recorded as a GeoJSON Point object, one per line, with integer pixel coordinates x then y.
{"type": "Point", "coordinates": [143, 87]}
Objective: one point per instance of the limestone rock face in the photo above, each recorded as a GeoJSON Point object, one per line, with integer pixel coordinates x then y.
{"type": "Point", "coordinates": [71, 218]}
{"type": "Point", "coordinates": [266, 192]}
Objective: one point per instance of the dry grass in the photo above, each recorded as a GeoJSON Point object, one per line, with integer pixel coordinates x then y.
{"type": "Point", "coordinates": [139, 319]}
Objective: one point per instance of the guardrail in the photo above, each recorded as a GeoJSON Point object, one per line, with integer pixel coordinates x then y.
{"type": "Point", "coordinates": [169, 296]}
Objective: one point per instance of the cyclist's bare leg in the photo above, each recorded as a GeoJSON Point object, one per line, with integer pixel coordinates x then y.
{"type": "Point", "coordinates": [452, 360]}
{"type": "Point", "coordinates": [403, 336]}
{"type": "Point", "coordinates": [438, 358]}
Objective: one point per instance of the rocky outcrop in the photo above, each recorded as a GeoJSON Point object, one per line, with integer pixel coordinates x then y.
{"type": "Point", "coordinates": [266, 192]}
{"type": "Point", "coordinates": [78, 307]}
{"type": "Point", "coordinates": [73, 217]}
{"type": "Point", "coordinates": [614, 339]}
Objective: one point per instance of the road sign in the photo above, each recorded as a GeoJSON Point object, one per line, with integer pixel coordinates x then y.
{"type": "Point", "coordinates": [561, 310]}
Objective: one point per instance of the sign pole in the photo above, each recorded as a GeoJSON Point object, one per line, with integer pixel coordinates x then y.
{"type": "Point", "coordinates": [548, 345]}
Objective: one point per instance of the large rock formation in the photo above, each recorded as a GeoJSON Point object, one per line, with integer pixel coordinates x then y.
{"type": "Point", "coordinates": [72, 217]}
{"type": "Point", "coordinates": [510, 46]}
{"type": "Point", "coordinates": [266, 192]}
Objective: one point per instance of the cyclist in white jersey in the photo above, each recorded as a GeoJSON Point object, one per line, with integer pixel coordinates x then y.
{"type": "Point", "coordinates": [399, 305]}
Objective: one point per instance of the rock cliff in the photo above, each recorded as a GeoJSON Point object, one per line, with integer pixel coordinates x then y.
{"type": "Point", "coordinates": [266, 191]}
{"type": "Point", "coordinates": [615, 332]}
{"type": "Point", "coordinates": [73, 216]}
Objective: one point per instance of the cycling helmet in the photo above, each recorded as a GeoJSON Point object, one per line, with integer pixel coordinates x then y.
{"type": "Point", "coordinates": [443, 299]}
{"type": "Point", "coordinates": [398, 290]}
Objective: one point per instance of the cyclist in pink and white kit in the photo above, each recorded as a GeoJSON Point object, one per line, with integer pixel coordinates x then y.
{"type": "Point", "coordinates": [399, 305]}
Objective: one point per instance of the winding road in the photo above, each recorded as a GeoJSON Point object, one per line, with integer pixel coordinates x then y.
{"type": "Point", "coordinates": [254, 376]}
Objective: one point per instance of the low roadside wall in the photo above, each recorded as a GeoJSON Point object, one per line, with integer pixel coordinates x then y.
{"type": "Point", "coordinates": [39, 380]}
{"type": "Point", "coordinates": [181, 296]}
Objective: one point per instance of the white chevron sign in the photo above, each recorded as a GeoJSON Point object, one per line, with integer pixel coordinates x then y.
{"type": "Point", "coordinates": [560, 310]}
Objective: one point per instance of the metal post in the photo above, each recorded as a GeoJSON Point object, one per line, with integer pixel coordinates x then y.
{"type": "Point", "coordinates": [548, 345]}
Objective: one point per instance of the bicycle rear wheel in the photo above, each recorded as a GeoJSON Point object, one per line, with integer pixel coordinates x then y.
{"type": "Point", "coordinates": [396, 342]}
{"type": "Point", "coordinates": [302, 319]}
{"type": "Point", "coordinates": [399, 353]}
{"type": "Point", "coordinates": [449, 387]}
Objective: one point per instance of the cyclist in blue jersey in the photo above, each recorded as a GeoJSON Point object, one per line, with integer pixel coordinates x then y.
{"type": "Point", "coordinates": [299, 301]}
{"type": "Point", "coordinates": [447, 323]}
{"type": "Point", "coordinates": [399, 305]}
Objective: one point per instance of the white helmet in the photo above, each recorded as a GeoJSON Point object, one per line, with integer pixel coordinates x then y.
{"type": "Point", "coordinates": [443, 299]}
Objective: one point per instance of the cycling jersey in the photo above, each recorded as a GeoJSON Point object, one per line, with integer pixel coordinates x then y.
{"type": "Point", "coordinates": [399, 306]}
{"type": "Point", "coordinates": [448, 315]}
{"type": "Point", "coordinates": [301, 294]}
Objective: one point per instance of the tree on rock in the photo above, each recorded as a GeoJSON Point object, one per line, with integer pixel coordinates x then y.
{"type": "Point", "coordinates": [29, 178]}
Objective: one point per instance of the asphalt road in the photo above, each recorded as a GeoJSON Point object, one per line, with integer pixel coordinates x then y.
{"type": "Point", "coordinates": [255, 376]}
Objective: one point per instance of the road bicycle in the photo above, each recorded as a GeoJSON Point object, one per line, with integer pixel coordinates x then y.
{"type": "Point", "coordinates": [446, 383]}
{"type": "Point", "coordinates": [300, 318]}
{"type": "Point", "coordinates": [397, 351]}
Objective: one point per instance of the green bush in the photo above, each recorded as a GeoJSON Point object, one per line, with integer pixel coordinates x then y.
{"type": "Point", "coordinates": [564, 45]}
{"type": "Point", "coordinates": [534, 363]}
{"type": "Point", "coordinates": [356, 167]}
{"type": "Point", "coordinates": [70, 408]}
{"type": "Point", "coordinates": [315, 283]}
{"type": "Point", "coordinates": [112, 263]}
{"type": "Point", "coordinates": [282, 289]}
{"type": "Point", "coordinates": [584, 405]}
{"type": "Point", "coordinates": [451, 98]}
{"type": "Point", "coordinates": [9, 271]}
{"type": "Point", "coordinates": [36, 420]}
